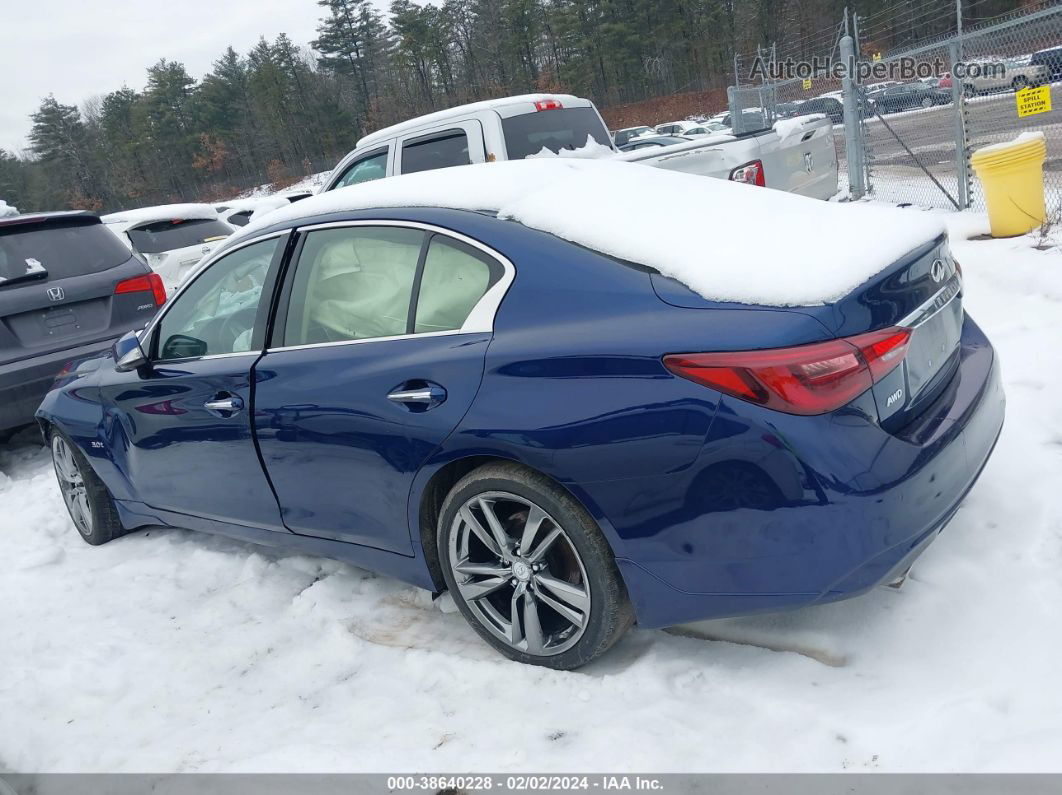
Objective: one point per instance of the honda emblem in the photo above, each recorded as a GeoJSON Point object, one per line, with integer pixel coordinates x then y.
{"type": "Point", "coordinates": [56, 293]}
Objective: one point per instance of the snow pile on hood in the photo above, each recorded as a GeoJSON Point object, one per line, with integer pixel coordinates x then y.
{"type": "Point", "coordinates": [726, 241]}
{"type": "Point", "coordinates": [162, 212]}
{"type": "Point", "coordinates": [6, 210]}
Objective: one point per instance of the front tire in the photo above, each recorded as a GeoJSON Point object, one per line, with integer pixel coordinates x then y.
{"type": "Point", "coordinates": [529, 568]}
{"type": "Point", "coordinates": [88, 502]}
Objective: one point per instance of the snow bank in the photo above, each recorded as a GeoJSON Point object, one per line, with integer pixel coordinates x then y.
{"type": "Point", "coordinates": [6, 210]}
{"type": "Point", "coordinates": [726, 241]}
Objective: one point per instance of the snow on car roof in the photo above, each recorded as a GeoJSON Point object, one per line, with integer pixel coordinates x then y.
{"type": "Point", "coordinates": [258, 203]}
{"type": "Point", "coordinates": [726, 241]}
{"type": "Point", "coordinates": [162, 212]}
{"type": "Point", "coordinates": [566, 100]}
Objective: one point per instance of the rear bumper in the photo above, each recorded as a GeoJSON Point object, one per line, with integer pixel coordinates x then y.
{"type": "Point", "coordinates": [831, 505]}
{"type": "Point", "coordinates": [23, 384]}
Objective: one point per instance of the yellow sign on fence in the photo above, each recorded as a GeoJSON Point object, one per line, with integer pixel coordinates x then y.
{"type": "Point", "coordinates": [1033, 100]}
{"type": "Point", "coordinates": [877, 56]}
{"type": "Point", "coordinates": [807, 86]}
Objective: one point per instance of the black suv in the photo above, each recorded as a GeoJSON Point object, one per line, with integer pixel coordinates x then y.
{"type": "Point", "coordinates": [68, 288]}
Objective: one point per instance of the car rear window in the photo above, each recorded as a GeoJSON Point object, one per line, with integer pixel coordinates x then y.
{"type": "Point", "coordinates": [162, 236]}
{"type": "Point", "coordinates": [561, 128]}
{"type": "Point", "coordinates": [63, 250]}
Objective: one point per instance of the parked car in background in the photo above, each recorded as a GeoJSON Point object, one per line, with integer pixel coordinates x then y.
{"type": "Point", "coordinates": [827, 106]}
{"type": "Point", "coordinates": [675, 127]}
{"type": "Point", "coordinates": [172, 238]}
{"type": "Point", "coordinates": [706, 128]}
{"type": "Point", "coordinates": [513, 128]}
{"type": "Point", "coordinates": [653, 141]}
{"type": "Point", "coordinates": [238, 212]}
{"type": "Point", "coordinates": [945, 81]}
{"type": "Point", "coordinates": [367, 376]}
{"type": "Point", "coordinates": [620, 137]}
{"type": "Point", "coordinates": [788, 110]}
{"type": "Point", "coordinates": [68, 288]}
{"type": "Point", "coordinates": [1049, 60]}
{"type": "Point", "coordinates": [908, 96]}
{"type": "Point", "coordinates": [1016, 74]}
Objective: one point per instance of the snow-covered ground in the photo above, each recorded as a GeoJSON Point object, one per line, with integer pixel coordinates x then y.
{"type": "Point", "coordinates": [171, 651]}
{"type": "Point", "coordinates": [311, 183]}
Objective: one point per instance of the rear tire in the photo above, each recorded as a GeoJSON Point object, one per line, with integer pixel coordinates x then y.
{"type": "Point", "coordinates": [529, 568]}
{"type": "Point", "coordinates": [88, 502]}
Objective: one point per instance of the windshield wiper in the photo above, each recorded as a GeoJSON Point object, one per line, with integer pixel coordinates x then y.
{"type": "Point", "coordinates": [39, 273]}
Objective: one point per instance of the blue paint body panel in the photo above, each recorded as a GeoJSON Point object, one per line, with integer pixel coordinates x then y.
{"type": "Point", "coordinates": [712, 506]}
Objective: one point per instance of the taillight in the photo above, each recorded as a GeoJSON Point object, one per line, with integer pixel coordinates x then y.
{"type": "Point", "coordinates": [750, 174]}
{"type": "Point", "coordinates": [151, 283]}
{"type": "Point", "coordinates": [807, 379]}
{"type": "Point", "coordinates": [548, 104]}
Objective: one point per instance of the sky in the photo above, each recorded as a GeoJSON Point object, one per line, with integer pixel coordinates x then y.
{"type": "Point", "coordinates": [77, 49]}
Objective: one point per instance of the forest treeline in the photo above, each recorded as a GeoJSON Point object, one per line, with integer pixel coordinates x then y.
{"type": "Point", "coordinates": [285, 109]}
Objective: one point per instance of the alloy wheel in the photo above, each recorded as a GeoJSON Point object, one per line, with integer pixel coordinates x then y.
{"type": "Point", "coordinates": [519, 573]}
{"type": "Point", "coordinates": [72, 484]}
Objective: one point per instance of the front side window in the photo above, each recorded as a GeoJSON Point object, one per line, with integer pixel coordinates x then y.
{"type": "Point", "coordinates": [366, 169]}
{"type": "Point", "coordinates": [440, 151]}
{"type": "Point", "coordinates": [216, 313]}
{"type": "Point", "coordinates": [353, 283]}
{"type": "Point", "coordinates": [160, 236]}
{"type": "Point", "coordinates": [455, 277]}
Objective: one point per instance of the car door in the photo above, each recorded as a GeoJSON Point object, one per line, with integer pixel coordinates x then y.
{"type": "Point", "coordinates": [186, 416]}
{"type": "Point", "coordinates": [377, 354]}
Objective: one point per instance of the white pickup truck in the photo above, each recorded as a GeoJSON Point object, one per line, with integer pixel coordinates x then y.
{"type": "Point", "coordinates": [797, 156]}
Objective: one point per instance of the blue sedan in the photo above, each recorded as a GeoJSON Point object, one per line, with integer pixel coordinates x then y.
{"type": "Point", "coordinates": [566, 442]}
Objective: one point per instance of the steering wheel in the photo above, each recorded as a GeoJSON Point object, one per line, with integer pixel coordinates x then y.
{"type": "Point", "coordinates": [235, 325]}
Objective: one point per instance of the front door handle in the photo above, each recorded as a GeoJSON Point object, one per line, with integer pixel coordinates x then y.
{"type": "Point", "coordinates": [231, 404]}
{"type": "Point", "coordinates": [423, 396]}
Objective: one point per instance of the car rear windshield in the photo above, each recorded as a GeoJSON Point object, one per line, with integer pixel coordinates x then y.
{"type": "Point", "coordinates": [562, 128]}
{"type": "Point", "coordinates": [60, 250]}
{"type": "Point", "coordinates": [162, 236]}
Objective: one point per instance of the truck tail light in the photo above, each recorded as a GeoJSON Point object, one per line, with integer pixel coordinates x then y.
{"type": "Point", "coordinates": [750, 174]}
{"type": "Point", "coordinates": [806, 379]}
{"type": "Point", "coordinates": [151, 283]}
{"type": "Point", "coordinates": [548, 104]}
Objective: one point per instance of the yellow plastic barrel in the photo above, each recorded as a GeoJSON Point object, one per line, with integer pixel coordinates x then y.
{"type": "Point", "coordinates": [1012, 175]}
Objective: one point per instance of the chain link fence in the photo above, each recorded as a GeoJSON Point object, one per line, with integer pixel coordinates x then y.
{"type": "Point", "coordinates": [906, 133]}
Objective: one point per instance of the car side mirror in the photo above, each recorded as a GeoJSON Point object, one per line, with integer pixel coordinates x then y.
{"type": "Point", "coordinates": [127, 353]}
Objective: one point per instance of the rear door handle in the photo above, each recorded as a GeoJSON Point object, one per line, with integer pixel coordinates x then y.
{"type": "Point", "coordinates": [426, 396]}
{"type": "Point", "coordinates": [231, 404]}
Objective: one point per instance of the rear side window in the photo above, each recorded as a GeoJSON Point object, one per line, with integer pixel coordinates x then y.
{"type": "Point", "coordinates": [60, 250]}
{"type": "Point", "coordinates": [366, 169]}
{"type": "Point", "coordinates": [455, 277]}
{"type": "Point", "coordinates": [353, 283]}
{"type": "Point", "coordinates": [560, 128]}
{"type": "Point", "coordinates": [162, 236]}
{"type": "Point", "coordinates": [438, 151]}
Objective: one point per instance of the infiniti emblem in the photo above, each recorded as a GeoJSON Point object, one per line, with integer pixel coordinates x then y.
{"type": "Point", "coordinates": [56, 293]}
{"type": "Point", "coordinates": [938, 270]}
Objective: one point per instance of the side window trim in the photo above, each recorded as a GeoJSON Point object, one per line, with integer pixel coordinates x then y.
{"type": "Point", "coordinates": [151, 332]}
{"type": "Point", "coordinates": [480, 319]}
